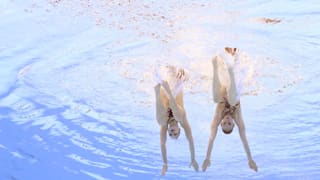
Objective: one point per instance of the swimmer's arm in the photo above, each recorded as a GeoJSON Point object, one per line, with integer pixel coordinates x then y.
{"type": "Point", "coordinates": [242, 133]}
{"type": "Point", "coordinates": [180, 115]}
{"type": "Point", "coordinates": [163, 140]}
{"type": "Point", "coordinates": [161, 110]}
{"type": "Point", "coordinates": [214, 128]}
{"type": "Point", "coordinates": [188, 133]}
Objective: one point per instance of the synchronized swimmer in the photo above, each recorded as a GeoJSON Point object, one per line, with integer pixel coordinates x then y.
{"type": "Point", "coordinates": [226, 93]}
{"type": "Point", "coordinates": [170, 112]}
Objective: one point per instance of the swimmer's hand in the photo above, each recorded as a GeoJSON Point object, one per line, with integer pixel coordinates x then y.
{"type": "Point", "coordinates": [205, 164]}
{"type": "Point", "coordinates": [253, 165]}
{"type": "Point", "coordinates": [164, 169]}
{"type": "Point", "coordinates": [194, 164]}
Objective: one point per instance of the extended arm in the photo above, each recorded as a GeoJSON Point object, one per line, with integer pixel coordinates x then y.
{"type": "Point", "coordinates": [188, 133]}
{"type": "Point", "coordinates": [163, 140]}
{"type": "Point", "coordinates": [242, 133]}
{"type": "Point", "coordinates": [214, 128]}
{"type": "Point", "coordinates": [161, 116]}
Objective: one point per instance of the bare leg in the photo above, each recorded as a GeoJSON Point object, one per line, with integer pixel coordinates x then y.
{"type": "Point", "coordinates": [162, 104]}
{"type": "Point", "coordinates": [177, 110]}
{"type": "Point", "coordinates": [179, 99]}
{"type": "Point", "coordinates": [216, 86]}
{"type": "Point", "coordinates": [232, 92]}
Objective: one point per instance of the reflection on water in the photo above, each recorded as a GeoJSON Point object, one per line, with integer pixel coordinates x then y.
{"type": "Point", "coordinates": [77, 88]}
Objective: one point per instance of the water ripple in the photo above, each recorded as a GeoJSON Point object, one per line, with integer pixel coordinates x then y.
{"type": "Point", "coordinates": [77, 95]}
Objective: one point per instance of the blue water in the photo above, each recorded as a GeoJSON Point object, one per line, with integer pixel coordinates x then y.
{"type": "Point", "coordinates": [76, 88]}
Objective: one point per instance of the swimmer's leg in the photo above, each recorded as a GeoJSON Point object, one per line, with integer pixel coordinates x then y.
{"type": "Point", "coordinates": [216, 86]}
{"type": "Point", "coordinates": [180, 79]}
{"type": "Point", "coordinates": [179, 99]}
{"type": "Point", "coordinates": [162, 104]}
{"type": "Point", "coordinates": [177, 110]}
{"type": "Point", "coordinates": [233, 95]}
{"type": "Point", "coordinates": [232, 91]}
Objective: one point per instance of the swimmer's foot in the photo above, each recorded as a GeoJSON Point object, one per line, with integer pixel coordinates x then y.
{"type": "Point", "coordinates": [181, 77]}
{"type": "Point", "coordinates": [157, 89]}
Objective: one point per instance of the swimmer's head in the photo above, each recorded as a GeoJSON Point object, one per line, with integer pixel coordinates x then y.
{"type": "Point", "coordinates": [174, 130]}
{"type": "Point", "coordinates": [227, 124]}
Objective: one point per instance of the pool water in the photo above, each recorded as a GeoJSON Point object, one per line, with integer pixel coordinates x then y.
{"type": "Point", "coordinates": [77, 78]}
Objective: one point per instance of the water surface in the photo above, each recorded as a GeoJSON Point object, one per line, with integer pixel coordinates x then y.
{"type": "Point", "coordinates": [77, 102]}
